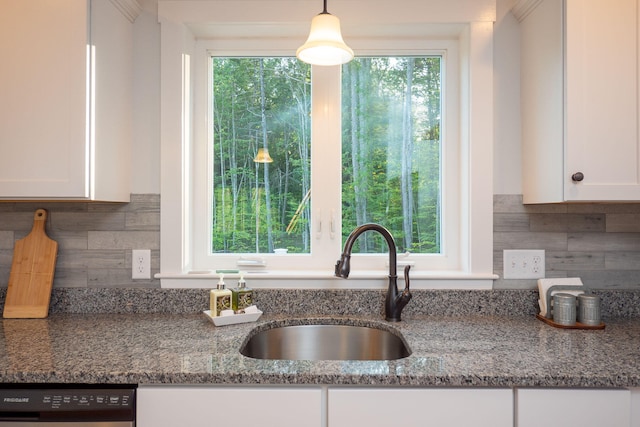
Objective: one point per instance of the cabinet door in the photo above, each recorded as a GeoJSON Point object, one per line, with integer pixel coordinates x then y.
{"type": "Point", "coordinates": [602, 100]}
{"type": "Point", "coordinates": [43, 141]}
{"type": "Point", "coordinates": [193, 406]}
{"type": "Point", "coordinates": [567, 407]}
{"type": "Point", "coordinates": [406, 407]}
{"type": "Point", "coordinates": [635, 407]}
{"type": "Point", "coordinates": [66, 90]}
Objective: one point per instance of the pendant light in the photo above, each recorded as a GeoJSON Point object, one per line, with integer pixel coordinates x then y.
{"type": "Point", "coordinates": [263, 156]}
{"type": "Point", "coordinates": [325, 46]}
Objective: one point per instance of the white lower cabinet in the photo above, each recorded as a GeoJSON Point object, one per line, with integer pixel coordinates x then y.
{"type": "Point", "coordinates": [193, 406]}
{"type": "Point", "coordinates": [409, 407]}
{"type": "Point", "coordinates": [571, 407]}
{"type": "Point", "coordinates": [635, 407]}
{"type": "Point", "coordinates": [199, 406]}
{"type": "Point", "coordinates": [322, 406]}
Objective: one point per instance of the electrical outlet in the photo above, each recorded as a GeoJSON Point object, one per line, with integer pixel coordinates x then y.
{"type": "Point", "coordinates": [523, 264]}
{"type": "Point", "coordinates": [141, 264]}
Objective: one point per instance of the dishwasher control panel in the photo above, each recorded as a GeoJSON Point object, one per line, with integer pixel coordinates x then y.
{"type": "Point", "coordinates": [67, 400]}
{"type": "Point", "coordinates": [58, 403]}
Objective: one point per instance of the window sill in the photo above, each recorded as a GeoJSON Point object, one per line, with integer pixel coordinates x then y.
{"type": "Point", "coordinates": [278, 279]}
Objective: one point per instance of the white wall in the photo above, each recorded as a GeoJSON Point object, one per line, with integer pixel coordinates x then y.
{"type": "Point", "coordinates": [146, 149]}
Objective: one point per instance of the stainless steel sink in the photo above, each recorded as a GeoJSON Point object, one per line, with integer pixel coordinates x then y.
{"type": "Point", "coordinates": [325, 342]}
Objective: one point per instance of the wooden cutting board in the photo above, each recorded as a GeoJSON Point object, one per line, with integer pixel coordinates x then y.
{"type": "Point", "coordinates": [31, 277]}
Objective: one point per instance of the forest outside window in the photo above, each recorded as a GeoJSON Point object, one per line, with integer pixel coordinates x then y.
{"type": "Point", "coordinates": [261, 103]}
{"type": "Point", "coordinates": [391, 151]}
{"type": "Point", "coordinates": [390, 160]}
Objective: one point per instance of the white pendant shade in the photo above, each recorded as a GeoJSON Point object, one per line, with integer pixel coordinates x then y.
{"type": "Point", "coordinates": [325, 45]}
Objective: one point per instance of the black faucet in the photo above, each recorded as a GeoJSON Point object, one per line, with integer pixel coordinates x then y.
{"type": "Point", "coordinates": [395, 301]}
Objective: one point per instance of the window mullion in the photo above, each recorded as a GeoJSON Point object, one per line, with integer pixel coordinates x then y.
{"type": "Point", "coordinates": [326, 176]}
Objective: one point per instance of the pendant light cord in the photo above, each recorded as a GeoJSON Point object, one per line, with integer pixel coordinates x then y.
{"type": "Point", "coordinates": [324, 11]}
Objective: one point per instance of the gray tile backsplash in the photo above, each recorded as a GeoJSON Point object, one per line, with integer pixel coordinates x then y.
{"type": "Point", "coordinates": [598, 242]}
{"type": "Point", "coordinates": [94, 239]}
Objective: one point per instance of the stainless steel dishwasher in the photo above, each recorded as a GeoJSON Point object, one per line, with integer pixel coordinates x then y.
{"type": "Point", "coordinates": [73, 406]}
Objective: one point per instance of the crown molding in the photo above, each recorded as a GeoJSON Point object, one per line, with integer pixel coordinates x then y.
{"type": "Point", "coordinates": [129, 8]}
{"type": "Point", "coordinates": [523, 8]}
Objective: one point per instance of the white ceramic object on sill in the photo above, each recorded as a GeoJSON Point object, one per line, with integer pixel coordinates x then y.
{"type": "Point", "coordinates": [233, 319]}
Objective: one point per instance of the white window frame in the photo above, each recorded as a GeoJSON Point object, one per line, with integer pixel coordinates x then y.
{"type": "Point", "coordinates": [326, 167]}
{"type": "Point", "coordinates": [183, 54]}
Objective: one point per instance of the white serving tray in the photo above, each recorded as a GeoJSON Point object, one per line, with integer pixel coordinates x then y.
{"type": "Point", "coordinates": [232, 320]}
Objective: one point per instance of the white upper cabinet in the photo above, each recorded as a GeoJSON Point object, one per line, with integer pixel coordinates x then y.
{"type": "Point", "coordinates": [66, 89]}
{"type": "Point", "coordinates": [579, 77]}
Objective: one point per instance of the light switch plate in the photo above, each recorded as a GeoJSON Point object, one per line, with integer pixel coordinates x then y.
{"type": "Point", "coordinates": [524, 264]}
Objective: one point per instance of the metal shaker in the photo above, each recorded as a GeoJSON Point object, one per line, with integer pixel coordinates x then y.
{"type": "Point", "coordinates": [564, 309]}
{"type": "Point", "coordinates": [589, 309]}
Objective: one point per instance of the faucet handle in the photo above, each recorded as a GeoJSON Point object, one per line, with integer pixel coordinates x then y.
{"type": "Point", "coordinates": [406, 278]}
{"type": "Point", "coordinates": [395, 304]}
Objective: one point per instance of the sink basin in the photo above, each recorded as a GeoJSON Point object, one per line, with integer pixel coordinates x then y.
{"type": "Point", "coordinates": [325, 342]}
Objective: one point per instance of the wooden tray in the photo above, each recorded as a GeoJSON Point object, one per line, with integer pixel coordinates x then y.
{"type": "Point", "coordinates": [578, 325]}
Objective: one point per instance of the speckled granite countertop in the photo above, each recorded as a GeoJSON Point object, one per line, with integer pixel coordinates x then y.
{"type": "Point", "coordinates": [153, 348]}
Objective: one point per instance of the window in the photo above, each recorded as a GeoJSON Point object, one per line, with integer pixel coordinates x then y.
{"type": "Point", "coordinates": [449, 242]}
{"type": "Point", "coordinates": [391, 168]}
